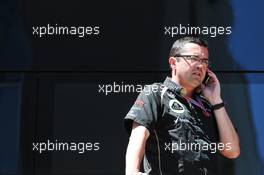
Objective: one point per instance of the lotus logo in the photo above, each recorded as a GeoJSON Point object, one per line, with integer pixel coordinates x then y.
{"type": "Point", "coordinates": [176, 106]}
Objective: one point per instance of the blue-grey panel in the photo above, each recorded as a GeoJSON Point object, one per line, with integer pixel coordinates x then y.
{"type": "Point", "coordinates": [9, 127]}
{"type": "Point", "coordinates": [246, 41]}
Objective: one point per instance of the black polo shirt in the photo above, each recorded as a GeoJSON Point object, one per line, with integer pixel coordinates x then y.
{"type": "Point", "coordinates": [183, 132]}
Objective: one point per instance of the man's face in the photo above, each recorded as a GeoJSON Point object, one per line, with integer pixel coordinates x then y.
{"type": "Point", "coordinates": [190, 70]}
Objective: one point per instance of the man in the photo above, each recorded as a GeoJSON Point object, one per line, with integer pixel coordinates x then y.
{"type": "Point", "coordinates": [180, 128]}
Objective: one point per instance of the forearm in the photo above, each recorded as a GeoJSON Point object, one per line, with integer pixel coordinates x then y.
{"type": "Point", "coordinates": [136, 149]}
{"type": "Point", "coordinates": [227, 133]}
{"type": "Point", "coordinates": [134, 157]}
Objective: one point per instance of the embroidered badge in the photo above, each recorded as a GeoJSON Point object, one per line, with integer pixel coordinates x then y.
{"type": "Point", "coordinates": [176, 106]}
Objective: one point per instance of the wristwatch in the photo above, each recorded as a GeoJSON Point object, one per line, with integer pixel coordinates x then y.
{"type": "Point", "coordinates": [217, 106]}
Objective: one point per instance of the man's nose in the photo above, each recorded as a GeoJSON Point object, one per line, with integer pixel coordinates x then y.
{"type": "Point", "coordinates": [199, 65]}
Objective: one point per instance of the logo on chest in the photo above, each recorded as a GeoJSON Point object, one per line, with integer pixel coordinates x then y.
{"type": "Point", "coordinates": [176, 106]}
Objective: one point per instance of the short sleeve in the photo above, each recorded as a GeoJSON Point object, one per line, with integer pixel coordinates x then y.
{"type": "Point", "coordinates": [144, 111]}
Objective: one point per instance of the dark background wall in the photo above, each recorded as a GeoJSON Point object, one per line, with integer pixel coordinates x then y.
{"type": "Point", "coordinates": [49, 86]}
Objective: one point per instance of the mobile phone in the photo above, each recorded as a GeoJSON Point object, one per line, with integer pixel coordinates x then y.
{"type": "Point", "coordinates": [206, 78]}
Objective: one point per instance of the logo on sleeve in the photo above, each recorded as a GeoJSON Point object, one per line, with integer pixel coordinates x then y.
{"type": "Point", "coordinates": [139, 103]}
{"type": "Point", "coordinates": [176, 106]}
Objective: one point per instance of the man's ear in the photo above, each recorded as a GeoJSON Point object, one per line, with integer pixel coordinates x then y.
{"type": "Point", "coordinates": [172, 62]}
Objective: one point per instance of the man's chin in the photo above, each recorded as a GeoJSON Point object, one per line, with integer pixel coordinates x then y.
{"type": "Point", "coordinates": [196, 83]}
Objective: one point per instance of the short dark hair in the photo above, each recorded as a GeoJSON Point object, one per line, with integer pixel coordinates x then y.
{"type": "Point", "coordinates": [178, 44]}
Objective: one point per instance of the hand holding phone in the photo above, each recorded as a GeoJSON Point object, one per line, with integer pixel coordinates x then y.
{"type": "Point", "coordinates": [211, 87]}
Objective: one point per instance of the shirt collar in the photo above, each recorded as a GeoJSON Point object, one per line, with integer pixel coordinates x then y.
{"type": "Point", "coordinates": [174, 87]}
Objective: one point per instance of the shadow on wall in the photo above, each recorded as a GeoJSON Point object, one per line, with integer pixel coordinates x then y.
{"type": "Point", "coordinates": [234, 86]}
